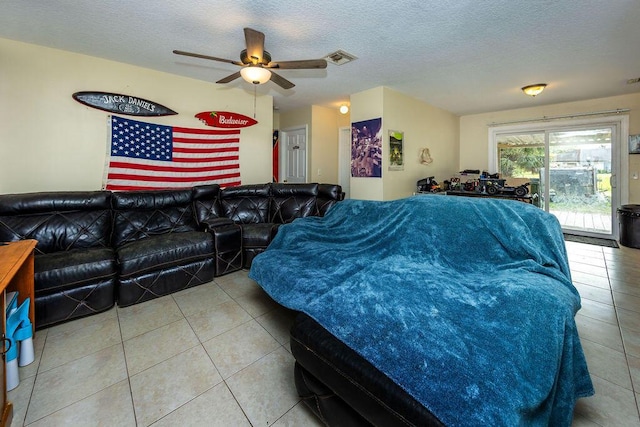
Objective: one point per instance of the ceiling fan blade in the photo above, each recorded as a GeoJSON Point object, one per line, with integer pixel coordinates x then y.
{"type": "Point", "coordinates": [229, 78]}
{"type": "Point", "coordinates": [298, 65]}
{"type": "Point", "coordinates": [255, 44]}
{"type": "Point", "coordinates": [281, 81]}
{"type": "Point", "coordinates": [213, 58]}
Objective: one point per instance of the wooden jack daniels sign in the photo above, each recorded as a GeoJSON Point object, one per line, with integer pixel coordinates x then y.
{"type": "Point", "coordinates": [122, 104]}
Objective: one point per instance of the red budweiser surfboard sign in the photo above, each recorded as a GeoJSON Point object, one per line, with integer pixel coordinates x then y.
{"type": "Point", "coordinates": [225, 119]}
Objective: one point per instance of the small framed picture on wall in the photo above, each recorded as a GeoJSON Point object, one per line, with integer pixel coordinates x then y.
{"type": "Point", "coordinates": [634, 144]}
{"type": "Point", "coordinates": [396, 158]}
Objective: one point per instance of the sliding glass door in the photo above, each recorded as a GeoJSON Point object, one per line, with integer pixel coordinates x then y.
{"type": "Point", "coordinates": [521, 160]}
{"type": "Point", "coordinates": [572, 172]}
{"type": "Point", "coordinates": [580, 170]}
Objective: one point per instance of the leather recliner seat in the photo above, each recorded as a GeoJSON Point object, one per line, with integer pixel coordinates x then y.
{"type": "Point", "coordinates": [160, 248]}
{"type": "Point", "coordinates": [75, 266]}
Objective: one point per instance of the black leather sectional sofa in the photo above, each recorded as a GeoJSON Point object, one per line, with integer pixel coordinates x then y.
{"type": "Point", "coordinates": [98, 248]}
{"type": "Point", "coordinates": [344, 389]}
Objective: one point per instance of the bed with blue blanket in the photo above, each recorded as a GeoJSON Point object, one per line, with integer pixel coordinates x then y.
{"type": "Point", "coordinates": [466, 304]}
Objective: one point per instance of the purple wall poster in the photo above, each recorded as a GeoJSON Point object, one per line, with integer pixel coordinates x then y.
{"type": "Point", "coordinates": [366, 149]}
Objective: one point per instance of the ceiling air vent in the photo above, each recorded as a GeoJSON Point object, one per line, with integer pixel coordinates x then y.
{"type": "Point", "coordinates": [340, 57]}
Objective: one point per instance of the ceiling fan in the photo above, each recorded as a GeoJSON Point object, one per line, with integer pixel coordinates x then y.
{"type": "Point", "coordinates": [257, 67]}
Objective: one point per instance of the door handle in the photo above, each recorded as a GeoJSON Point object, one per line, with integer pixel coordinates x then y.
{"type": "Point", "coordinates": [5, 349]}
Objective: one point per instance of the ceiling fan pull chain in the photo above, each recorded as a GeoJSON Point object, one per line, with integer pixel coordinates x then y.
{"type": "Point", "coordinates": [254, 101]}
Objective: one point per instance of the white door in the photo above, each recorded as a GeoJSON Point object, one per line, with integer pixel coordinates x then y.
{"type": "Point", "coordinates": [294, 156]}
{"type": "Point", "coordinates": [344, 160]}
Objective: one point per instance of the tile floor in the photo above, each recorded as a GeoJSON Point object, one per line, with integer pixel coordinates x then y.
{"type": "Point", "coordinates": [218, 355]}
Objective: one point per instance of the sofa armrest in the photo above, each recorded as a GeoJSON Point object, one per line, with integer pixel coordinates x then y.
{"type": "Point", "coordinates": [212, 223]}
{"type": "Point", "coordinates": [227, 240]}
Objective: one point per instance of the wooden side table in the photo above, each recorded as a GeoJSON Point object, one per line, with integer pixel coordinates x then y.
{"type": "Point", "coordinates": [16, 274]}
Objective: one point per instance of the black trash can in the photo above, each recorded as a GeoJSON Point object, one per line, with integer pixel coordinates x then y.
{"type": "Point", "coordinates": [629, 220]}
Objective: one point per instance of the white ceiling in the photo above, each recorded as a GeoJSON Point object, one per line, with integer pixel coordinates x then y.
{"type": "Point", "coordinates": [465, 56]}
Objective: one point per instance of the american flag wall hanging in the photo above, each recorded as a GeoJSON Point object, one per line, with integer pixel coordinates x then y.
{"type": "Point", "coordinates": [148, 156]}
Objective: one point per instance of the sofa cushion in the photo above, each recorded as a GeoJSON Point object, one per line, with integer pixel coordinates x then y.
{"type": "Point", "coordinates": [247, 204]}
{"type": "Point", "coordinates": [142, 214]}
{"type": "Point", "coordinates": [59, 271]}
{"type": "Point", "coordinates": [291, 201]}
{"type": "Point", "coordinates": [59, 221]}
{"type": "Point", "coordinates": [164, 251]}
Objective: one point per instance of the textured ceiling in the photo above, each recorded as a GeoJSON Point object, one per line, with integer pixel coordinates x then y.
{"type": "Point", "coordinates": [465, 56]}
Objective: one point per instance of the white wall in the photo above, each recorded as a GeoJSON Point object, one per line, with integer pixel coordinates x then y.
{"type": "Point", "coordinates": [324, 141]}
{"type": "Point", "coordinates": [474, 130]}
{"type": "Point", "coordinates": [48, 141]}
{"type": "Point", "coordinates": [424, 126]}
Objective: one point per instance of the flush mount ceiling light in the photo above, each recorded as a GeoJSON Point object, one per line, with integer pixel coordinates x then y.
{"type": "Point", "coordinates": [533, 90]}
{"type": "Point", "coordinates": [256, 75]}
{"type": "Point", "coordinates": [344, 109]}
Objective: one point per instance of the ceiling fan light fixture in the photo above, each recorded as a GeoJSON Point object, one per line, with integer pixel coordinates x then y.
{"type": "Point", "coordinates": [256, 75]}
{"type": "Point", "coordinates": [533, 90]}
{"type": "Point", "coordinates": [344, 109]}
{"type": "Point", "coordinates": [256, 63]}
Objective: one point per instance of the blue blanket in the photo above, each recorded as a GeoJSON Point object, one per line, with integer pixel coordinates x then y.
{"type": "Point", "coordinates": [466, 303]}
